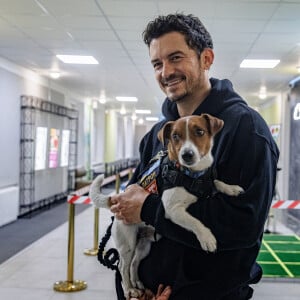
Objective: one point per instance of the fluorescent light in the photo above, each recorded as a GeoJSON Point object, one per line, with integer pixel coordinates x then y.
{"type": "Point", "coordinates": [259, 63]}
{"type": "Point", "coordinates": [78, 59]}
{"type": "Point", "coordinates": [152, 119]}
{"type": "Point", "coordinates": [127, 99]}
{"type": "Point", "coordinates": [143, 111]}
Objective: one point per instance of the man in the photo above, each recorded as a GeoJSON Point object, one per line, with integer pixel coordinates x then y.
{"type": "Point", "coordinates": [181, 52]}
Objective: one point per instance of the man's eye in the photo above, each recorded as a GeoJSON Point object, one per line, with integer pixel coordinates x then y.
{"type": "Point", "coordinates": [156, 66]}
{"type": "Point", "coordinates": [175, 58]}
{"type": "Point", "coordinates": [199, 132]}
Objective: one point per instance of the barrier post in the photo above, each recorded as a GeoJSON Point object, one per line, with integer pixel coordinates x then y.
{"type": "Point", "coordinates": [94, 251]}
{"type": "Point", "coordinates": [70, 285]}
{"type": "Point", "coordinates": [118, 183]}
{"type": "Point", "coordinates": [130, 174]}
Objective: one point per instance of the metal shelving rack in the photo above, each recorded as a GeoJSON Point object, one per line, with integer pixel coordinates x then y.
{"type": "Point", "coordinates": [29, 107]}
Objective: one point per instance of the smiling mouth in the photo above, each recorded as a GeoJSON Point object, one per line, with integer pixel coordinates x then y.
{"type": "Point", "coordinates": [172, 82]}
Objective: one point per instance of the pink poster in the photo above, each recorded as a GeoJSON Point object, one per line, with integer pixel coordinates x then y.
{"type": "Point", "coordinates": [53, 151]}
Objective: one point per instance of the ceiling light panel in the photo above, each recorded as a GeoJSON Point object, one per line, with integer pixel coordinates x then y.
{"type": "Point", "coordinates": [127, 99]}
{"type": "Point", "coordinates": [78, 59]}
{"type": "Point", "coordinates": [143, 111]}
{"type": "Point", "coordinates": [259, 63]}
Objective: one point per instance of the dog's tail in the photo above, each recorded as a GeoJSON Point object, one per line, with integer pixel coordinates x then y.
{"type": "Point", "coordinates": [99, 199]}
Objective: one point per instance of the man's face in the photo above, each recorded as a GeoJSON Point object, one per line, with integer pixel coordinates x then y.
{"type": "Point", "coordinates": [177, 67]}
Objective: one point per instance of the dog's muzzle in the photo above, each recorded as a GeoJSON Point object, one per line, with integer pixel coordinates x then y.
{"type": "Point", "coordinates": [188, 156]}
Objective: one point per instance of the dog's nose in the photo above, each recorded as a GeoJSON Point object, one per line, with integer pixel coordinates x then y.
{"type": "Point", "coordinates": [188, 156]}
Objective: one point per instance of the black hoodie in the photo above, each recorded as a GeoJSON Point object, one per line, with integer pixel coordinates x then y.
{"type": "Point", "coordinates": [244, 154]}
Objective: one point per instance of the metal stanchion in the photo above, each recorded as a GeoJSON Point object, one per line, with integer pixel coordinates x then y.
{"type": "Point", "coordinates": [130, 174]}
{"type": "Point", "coordinates": [94, 251]}
{"type": "Point", "coordinates": [118, 183]}
{"type": "Point", "coordinates": [70, 285]}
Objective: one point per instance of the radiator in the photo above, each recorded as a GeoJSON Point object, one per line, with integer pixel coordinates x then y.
{"type": "Point", "coordinates": [9, 204]}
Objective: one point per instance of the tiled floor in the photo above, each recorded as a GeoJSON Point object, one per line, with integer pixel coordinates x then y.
{"type": "Point", "coordinates": [31, 273]}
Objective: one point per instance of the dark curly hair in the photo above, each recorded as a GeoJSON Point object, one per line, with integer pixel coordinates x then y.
{"type": "Point", "coordinates": [196, 35]}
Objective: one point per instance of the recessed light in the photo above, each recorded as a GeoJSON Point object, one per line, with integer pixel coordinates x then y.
{"type": "Point", "coordinates": [78, 59]}
{"type": "Point", "coordinates": [55, 74]}
{"type": "Point", "coordinates": [143, 111]}
{"type": "Point", "coordinates": [127, 99]}
{"type": "Point", "coordinates": [259, 63]}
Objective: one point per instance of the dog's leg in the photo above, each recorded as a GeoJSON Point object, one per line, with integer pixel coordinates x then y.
{"type": "Point", "coordinates": [230, 190]}
{"type": "Point", "coordinates": [125, 237]}
{"type": "Point", "coordinates": [145, 237]}
{"type": "Point", "coordinates": [176, 200]}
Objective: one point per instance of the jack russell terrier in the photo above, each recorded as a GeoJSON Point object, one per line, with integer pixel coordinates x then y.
{"type": "Point", "coordinates": [189, 142]}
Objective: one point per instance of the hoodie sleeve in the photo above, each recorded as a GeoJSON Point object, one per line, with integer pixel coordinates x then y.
{"type": "Point", "coordinates": [245, 154]}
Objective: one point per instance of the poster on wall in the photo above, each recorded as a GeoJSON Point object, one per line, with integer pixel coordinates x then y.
{"type": "Point", "coordinates": [53, 151]}
{"type": "Point", "coordinates": [275, 130]}
{"type": "Point", "coordinates": [40, 148]}
{"type": "Point", "coordinates": [64, 154]}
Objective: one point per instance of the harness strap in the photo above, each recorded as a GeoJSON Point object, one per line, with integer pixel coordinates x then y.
{"type": "Point", "coordinates": [202, 187]}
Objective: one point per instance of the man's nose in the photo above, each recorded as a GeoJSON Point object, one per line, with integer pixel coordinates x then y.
{"type": "Point", "coordinates": [167, 70]}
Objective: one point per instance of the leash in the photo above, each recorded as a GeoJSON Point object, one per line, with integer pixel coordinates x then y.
{"type": "Point", "coordinates": [110, 258]}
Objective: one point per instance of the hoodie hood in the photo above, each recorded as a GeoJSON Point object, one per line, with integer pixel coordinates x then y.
{"type": "Point", "coordinates": [221, 96]}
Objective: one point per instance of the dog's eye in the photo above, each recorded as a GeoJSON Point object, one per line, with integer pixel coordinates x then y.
{"type": "Point", "coordinates": [175, 137]}
{"type": "Point", "coordinates": [199, 132]}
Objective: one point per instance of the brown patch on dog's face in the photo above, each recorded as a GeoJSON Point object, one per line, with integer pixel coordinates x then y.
{"type": "Point", "coordinates": [197, 130]}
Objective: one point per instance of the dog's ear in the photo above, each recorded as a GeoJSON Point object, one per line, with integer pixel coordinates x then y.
{"type": "Point", "coordinates": [214, 124]}
{"type": "Point", "coordinates": [164, 134]}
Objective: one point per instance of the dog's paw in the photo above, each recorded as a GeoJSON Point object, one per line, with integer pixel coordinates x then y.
{"type": "Point", "coordinates": [230, 190]}
{"type": "Point", "coordinates": [135, 293]}
{"type": "Point", "coordinates": [207, 240]}
{"type": "Point", "coordinates": [234, 190]}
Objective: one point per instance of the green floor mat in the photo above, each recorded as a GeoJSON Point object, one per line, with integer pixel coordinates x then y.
{"type": "Point", "coordinates": [280, 256]}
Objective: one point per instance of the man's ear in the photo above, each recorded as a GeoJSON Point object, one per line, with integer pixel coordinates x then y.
{"type": "Point", "coordinates": [207, 58]}
{"type": "Point", "coordinates": [214, 124]}
{"type": "Point", "coordinates": [164, 134]}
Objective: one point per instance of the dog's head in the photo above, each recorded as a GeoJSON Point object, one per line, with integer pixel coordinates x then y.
{"type": "Point", "coordinates": [190, 140]}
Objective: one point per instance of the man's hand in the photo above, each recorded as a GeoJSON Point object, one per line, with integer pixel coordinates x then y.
{"type": "Point", "coordinates": [162, 294]}
{"type": "Point", "coordinates": [127, 206]}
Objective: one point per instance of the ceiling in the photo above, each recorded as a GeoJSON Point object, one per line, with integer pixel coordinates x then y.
{"type": "Point", "coordinates": [32, 32]}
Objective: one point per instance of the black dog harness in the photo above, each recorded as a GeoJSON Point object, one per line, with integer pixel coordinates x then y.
{"type": "Point", "coordinates": [200, 184]}
{"type": "Point", "coordinates": [162, 174]}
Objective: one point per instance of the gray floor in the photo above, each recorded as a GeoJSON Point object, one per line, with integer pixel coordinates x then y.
{"type": "Point", "coordinates": [31, 273]}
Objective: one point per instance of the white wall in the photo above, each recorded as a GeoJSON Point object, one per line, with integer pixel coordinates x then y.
{"type": "Point", "coordinates": [14, 82]}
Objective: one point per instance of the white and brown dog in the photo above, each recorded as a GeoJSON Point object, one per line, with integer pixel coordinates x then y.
{"type": "Point", "coordinates": [189, 141]}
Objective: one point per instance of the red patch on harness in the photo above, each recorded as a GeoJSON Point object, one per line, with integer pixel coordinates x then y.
{"type": "Point", "coordinates": [152, 187]}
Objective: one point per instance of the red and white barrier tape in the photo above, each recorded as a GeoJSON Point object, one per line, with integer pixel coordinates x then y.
{"type": "Point", "coordinates": [286, 204]}
{"type": "Point", "coordinates": [74, 199]}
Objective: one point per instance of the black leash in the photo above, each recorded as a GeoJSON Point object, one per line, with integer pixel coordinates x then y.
{"type": "Point", "coordinates": [110, 258]}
